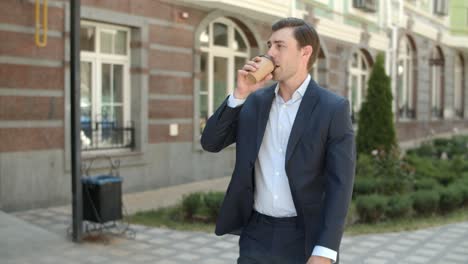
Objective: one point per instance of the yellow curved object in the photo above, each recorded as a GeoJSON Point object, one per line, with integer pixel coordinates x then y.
{"type": "Point", "coordinates": [41, 43]}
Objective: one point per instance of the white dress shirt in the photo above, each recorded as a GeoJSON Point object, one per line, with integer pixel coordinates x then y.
{"type": "Point", "coordinates": [272, 192]}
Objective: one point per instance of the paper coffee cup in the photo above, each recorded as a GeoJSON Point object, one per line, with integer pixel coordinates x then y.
{"type": "Point", "coordinates": [266, 66]}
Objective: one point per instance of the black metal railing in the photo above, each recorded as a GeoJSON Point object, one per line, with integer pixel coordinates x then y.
{"type": "Point", "coordinates": [106, 135]}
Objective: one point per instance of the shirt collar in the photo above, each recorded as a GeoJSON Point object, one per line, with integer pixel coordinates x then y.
{"type": "Point", "coordinates": [299, 93]}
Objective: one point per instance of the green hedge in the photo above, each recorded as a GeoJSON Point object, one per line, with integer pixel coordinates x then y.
{"type": "Point", "coordinates": [202, 206]}
{"type": "Point", "coordinates": [451, 197]}
{"type": "Point", "coordinates": [425, 202]}
{"type": "Point", "coordinates": [399, 206]}
{"type": "Point", "coordinates": [371, 208]}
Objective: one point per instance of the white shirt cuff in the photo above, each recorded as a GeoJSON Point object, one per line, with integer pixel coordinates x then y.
{"type": "Point", "coordinates": [233, 102]}
{"type": "Point", "coordinates": [324, 252]}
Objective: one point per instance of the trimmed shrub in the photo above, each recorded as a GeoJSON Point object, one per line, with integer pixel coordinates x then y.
{"type": "Point", "coordinates": [425, 184]}
{"type": "Point", "coordinates": [213, 201]}
{"type": "Point", "coordinates": [394, 186]}
{"type": "Point", "coordinates": [450, 198]}
{"type": "Point", "coordinates": [425, 202]}
{"type": "Point", "coordinates": [366, 166]}
{"type": "Point", "coordinates": [398, 206]}
{"type": "Point", "coordinates": [371, 208]}
{"type": "Point", "coordinates": [425, 150]}
{"type": "Point", "coordinates": [191, 204]}
{"type": "Point", "coordinates": [365, 186]}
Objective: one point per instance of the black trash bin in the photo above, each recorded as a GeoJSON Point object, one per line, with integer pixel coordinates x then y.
{"type": "Point", "coordinates": [102, 198]}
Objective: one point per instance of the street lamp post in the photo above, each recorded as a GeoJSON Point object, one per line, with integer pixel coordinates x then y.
{"type": "Point", "coordinates": [77, 201]}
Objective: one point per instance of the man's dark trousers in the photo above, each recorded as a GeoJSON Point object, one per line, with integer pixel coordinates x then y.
{"type": "Point", "coordinates": [272, 240]}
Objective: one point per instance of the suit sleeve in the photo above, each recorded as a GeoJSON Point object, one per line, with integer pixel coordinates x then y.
{"type": "Point", "coordinates": [221, 127]}
{"type": "Point", "coordinates": [340, 162]}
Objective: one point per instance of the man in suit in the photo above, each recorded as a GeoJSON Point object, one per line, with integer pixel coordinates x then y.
{"type": "Point", "coordinates": [295, 157]}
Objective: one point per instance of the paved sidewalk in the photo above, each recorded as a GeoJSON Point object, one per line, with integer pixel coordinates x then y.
{"type": "Point", "coordinates": [40, 237]}
{"type": "Point", "coordinates": [446, 244]}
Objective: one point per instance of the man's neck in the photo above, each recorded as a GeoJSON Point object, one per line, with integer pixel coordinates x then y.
{"type": "Point", "coordinates": [288, 87]}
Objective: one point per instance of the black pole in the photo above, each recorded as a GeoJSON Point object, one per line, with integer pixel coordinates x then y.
{"type": "Point", "coordinates": [77, 202]}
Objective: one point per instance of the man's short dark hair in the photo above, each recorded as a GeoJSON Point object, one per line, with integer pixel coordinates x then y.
{"type": "Point", "coordinates": [304, 34]}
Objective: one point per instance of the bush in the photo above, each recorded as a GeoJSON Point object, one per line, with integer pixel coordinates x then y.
{"type": "Point", "coordinates": [425, 184]}
{"type": "Point", "coordinates": [212, 202]}
{"type": "Point", "coordinates": [371, 208]}
{"type": "Point", "coordinates": [425, 202]}
{"type": "Point", "coordinates": [366, 166]}
{"type": "Point", "coordinates": [365, 186]}
{"type": "Point", "coordinates": [398, 206]}
{"type": "Point", "coordinates": [426, 150]}
{"type": "Point", "coordinates": [191, 204]}
{"type": "Point", "coordinates": [394, 186]}
{"type": "Point", "coordinates": [451, 198]}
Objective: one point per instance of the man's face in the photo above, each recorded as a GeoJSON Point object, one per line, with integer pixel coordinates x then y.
{"type": "Point", "coordinates": [283, 47]}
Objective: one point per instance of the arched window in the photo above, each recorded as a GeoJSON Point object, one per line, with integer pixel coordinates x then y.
{"type": "Point", "coordinates": [405, 87]}
{"type": "Point", "coordinates": [459, 92]}
{"type": "Point", "coordinates": [224, 49]}
{"type": "Point", "coordinates": [319, 69]}
{"type": "Point", "coordinates": [358, 75]}
{"type": "Point", "coordinates": [437, 95]}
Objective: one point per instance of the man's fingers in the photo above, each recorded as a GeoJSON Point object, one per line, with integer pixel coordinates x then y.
{"type": "Point", "coordinates": [242, 72]}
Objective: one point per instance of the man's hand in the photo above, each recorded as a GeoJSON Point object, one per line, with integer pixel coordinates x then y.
{"type": "Point", "coordinates": [244, 88]}
{"type": "Point", "coordinates": [318, 260]}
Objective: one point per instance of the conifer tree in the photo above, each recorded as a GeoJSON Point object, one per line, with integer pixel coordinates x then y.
{"type": "Point", "coordinates": [376, 130]}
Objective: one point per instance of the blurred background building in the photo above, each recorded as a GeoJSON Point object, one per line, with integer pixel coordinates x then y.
{"type": "Point", "coordinates": [153, 71]}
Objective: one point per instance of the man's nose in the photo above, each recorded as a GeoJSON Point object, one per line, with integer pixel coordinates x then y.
{"type": "Point", "coordinates": [271, 53]}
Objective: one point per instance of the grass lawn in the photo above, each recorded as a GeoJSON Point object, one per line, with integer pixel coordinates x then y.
{"type": "Point", "coordinates": [170, 218]}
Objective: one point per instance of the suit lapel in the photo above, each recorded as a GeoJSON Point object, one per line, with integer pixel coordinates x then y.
{"type": "Point", "coordinates": [264, 107]}
{"type": "Point", "coordinates": [308, 103]}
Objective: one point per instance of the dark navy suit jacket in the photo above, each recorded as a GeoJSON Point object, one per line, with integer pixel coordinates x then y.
{"type": "Point", "coordinates": [320, 161]}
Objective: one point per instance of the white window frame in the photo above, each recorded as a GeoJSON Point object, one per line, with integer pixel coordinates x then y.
{"type": "Point", "coordinates": [97, 59]}
{"type": "Point", "coordinates": [358, 72]}
{"type": "Point", "coordinates": [405, 56]}
{"type": "Point", "coordinates": [225, 52]}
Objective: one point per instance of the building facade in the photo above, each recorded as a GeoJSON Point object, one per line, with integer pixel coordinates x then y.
{"type": "Point", "coordinates": [153, 71]}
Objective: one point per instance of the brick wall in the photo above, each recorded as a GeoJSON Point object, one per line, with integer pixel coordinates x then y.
{"type": "Point", "coordinates": [31, 80]}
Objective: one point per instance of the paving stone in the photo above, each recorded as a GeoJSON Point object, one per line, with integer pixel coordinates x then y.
{"type": "Point", "coordinates": [417, 259]}
{"type": "Point", "coordinates": [208, 251]}
{"type": "Point", "coordinates": [187, 256]}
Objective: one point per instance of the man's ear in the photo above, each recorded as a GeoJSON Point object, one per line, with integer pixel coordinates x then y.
{"type": "Point", "coordinates": [307, 51]}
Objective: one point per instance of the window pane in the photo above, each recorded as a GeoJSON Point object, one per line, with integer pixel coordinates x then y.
{"type": "Point", "coordinates": [204, 72]}
{"type": "Point", "coordinates": [239, 62]}
{"type": "Point", "coordinates": [400, 83]}
{"type": "Point", "coordinates": [354, 62]}
{"type": "Point", "coordinates": [220, 34]}
{"type": "Point", "coordinates": [363, 63]}
{"type": "Point", "coordinates": [87, 37]}
{"type": "Point", "coordinates": [118, 84]}
{"type": "Point", "coordinates": [86, 100]}
{"type": "Point", "coordinates": [121, 43]}
{"type": "Point", "coordinates": [239, 43]}
{"type": "Point", "coordinates": [205, 38]}
{"type": "Point", "coordinates": [106, 42]}
{"type": "Point", "coordinates": [106, 83]}
{"type": "Point", "coordinates": [354, 92]}
{"type": "Point", "coordinates": [220, 81]}
{"type": "Point", "coordinates": [203, 111]}
{"type": "Point", "coordinates": [363, 88]}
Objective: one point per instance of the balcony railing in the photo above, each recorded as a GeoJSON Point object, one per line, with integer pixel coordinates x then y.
{"type": "Point", "coordinates": [106, 135]}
